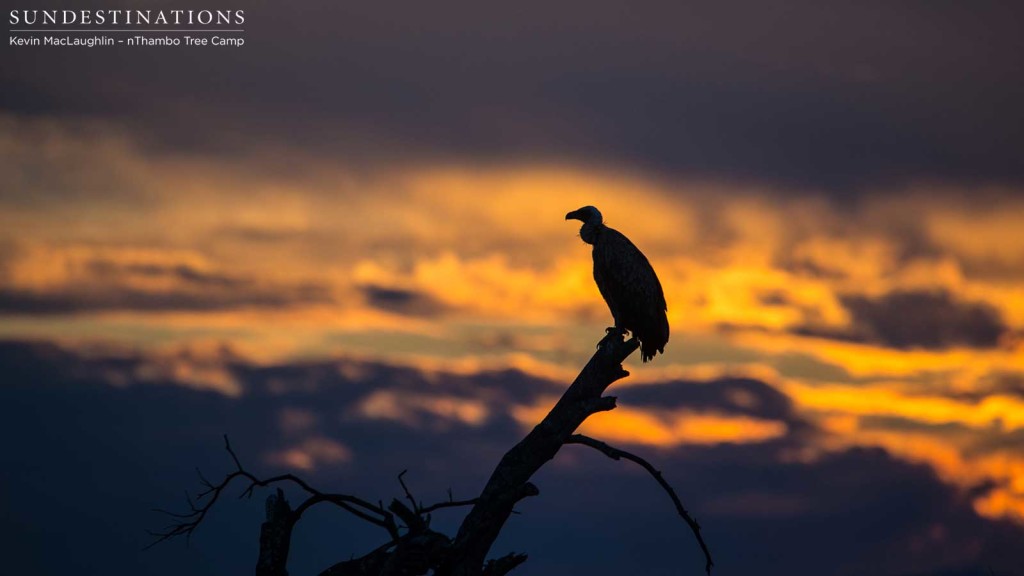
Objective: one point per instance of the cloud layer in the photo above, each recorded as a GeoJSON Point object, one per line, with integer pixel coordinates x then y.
{"type": "Point", "coordinates": [352, 425]}
{"type": "Point", "coordinates": [344, 245]}
{"type": "Point", "coordinates": [837, 97]}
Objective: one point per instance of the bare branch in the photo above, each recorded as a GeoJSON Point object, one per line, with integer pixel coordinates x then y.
{"type": "Point", "coordinates": [503, 565]}
{"type": "Point", "coordinates": [408, 495]}
{"type": "Point", "coordinates": [227, 446]}
{"type": "Point", "coordinates": [511, 476]}
{"type": "Point", "coordinates": [343, 501]}
{"type": "Point", "coordinates": [448, 504]}
{"type": "Point", "coordinates": [202, 479]}
{"type": "Point", "coordinates": [190, 521]}
{"type": "Point", "coordinates": [616, 454]}
{"type": "Point", "coordinates": [417, 548]}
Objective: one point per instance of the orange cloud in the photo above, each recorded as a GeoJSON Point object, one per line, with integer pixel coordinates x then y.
{"type": "Point", "coordinates": [409, 408]}
{"type": "Point", "coordinates": [310, 454]}
{"type": "Point", "coordinates": [955, 461]}
{"type": "Point", "coordinates": [664, 429]}
{"type": "Point", "coordinates": [727, 255]}
{"type": "Point", "coordinates": [289, 256]}
{"type": "Point", "coordinates": [851, 416]}
{"type": "Point", "coordinates": [958, 365]}
{"type": "Point", "coordinates": [998, 412]}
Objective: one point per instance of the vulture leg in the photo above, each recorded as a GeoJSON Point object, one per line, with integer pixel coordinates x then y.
{"type": "Point", "coordinates": [613, 333]}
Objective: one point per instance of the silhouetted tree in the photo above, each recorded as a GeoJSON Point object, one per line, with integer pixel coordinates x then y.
{"type": "Point", "coordinates": [411, 546]}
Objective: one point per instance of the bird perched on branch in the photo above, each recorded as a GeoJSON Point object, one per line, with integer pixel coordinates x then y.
{"type": "Point", "coordinates": [627, 282]}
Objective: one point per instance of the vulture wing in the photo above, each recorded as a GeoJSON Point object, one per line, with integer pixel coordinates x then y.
{"type": "Point", "coordinates": [631, 288]}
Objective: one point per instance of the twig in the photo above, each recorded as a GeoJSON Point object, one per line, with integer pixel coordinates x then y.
{"type": "Point", "coordinates": [408, 495]}
{"type": "Point", "coordinates": [616, 454]}
{"type": "Point", "coordinates": [420, 549]}
{"type": "Point", "coordinates": [448, 504]}
{"type": "Point", "coordinates": [191, 520]}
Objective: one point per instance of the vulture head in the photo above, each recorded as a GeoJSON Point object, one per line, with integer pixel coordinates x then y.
{"type": "Point", "coordinates": [587, 215]}
{"type": "Point", "coordinates": [592, 221]}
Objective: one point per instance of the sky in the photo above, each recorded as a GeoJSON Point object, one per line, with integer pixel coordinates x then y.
{"type": "Point", "coordinates": [343, 244]}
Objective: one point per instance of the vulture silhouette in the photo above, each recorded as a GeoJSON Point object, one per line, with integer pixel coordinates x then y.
{"type": "Point", "coordinates": [627, 283]}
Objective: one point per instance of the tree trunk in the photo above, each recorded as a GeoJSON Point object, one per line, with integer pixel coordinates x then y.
{"type": "Point", "coordinates": [509, 482]}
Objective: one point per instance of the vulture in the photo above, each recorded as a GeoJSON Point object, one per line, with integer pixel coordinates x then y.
{"type": "Point", "coordinates": [627, 282]}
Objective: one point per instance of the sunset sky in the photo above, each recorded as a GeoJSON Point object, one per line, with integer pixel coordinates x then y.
{"type": "Point", "coordinates": [344, 245]}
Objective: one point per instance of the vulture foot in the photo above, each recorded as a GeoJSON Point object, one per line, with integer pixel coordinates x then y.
{"type": "Point", "coordinates": [611, 333]}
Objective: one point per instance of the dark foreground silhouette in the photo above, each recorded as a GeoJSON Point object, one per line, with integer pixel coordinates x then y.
{"type": "Point", "coordinates": [411, 546]}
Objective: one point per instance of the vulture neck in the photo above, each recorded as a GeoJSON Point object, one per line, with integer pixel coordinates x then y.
{"type": "Point", "coordinates": [590, 231]}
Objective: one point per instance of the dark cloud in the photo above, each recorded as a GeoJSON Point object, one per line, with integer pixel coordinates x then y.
{"type": "Point", "coordinates": [8, 253]}
{"type": "Point", "coordinates": [180, 272]}
{"type": "Point", "coordinates": [925, 320]}
{"type": "Point", "coordinates": [86, 461]}
{"type": "Point", "coordinates": [400, 301]}
{"type": "Point", "coordinates": [773, 298]}
{"type": "Point", "coordinates": [839, 96]}
{"type": "Point", "coordinates": [108, 285]}
{"type": "Point", "coordinates": [729, 395]}
{"type": "Point", "coordinates": [1007, 382]}
{"type": "Point", "coordinates": [918, 319]}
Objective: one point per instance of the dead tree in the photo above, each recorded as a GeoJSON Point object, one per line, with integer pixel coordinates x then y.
{"type": "Point", "coordinates": [412, 547]}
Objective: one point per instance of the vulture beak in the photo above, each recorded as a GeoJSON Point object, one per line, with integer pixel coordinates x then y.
{"type": "Point", "coordinates": [574, 215]}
